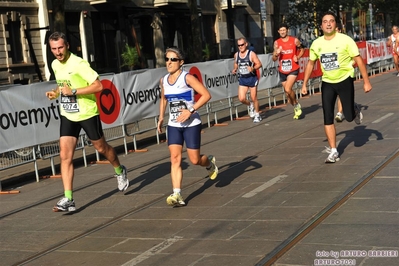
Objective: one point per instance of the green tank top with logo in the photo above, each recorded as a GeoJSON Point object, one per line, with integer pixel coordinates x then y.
{"type": "Point", "coordinates": [336, 57]}
{"type": "Point", "coordinates": [76, 73]}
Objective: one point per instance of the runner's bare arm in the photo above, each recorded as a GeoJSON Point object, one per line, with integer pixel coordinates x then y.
{"type": "Point", "coordinates": [234, 71]}
{"type": "Point", "coordinates": [363, 70]}
{"type": "Point", "coordinates": [306, 76]}
{"type": "Point", "coordinates": [94, 87]}
{"type": "Point", "coordinates": [257, 64]}
{"type": "Point", "coordinates": [162, 108]}
{"type": "Point", "coordinates": [300, 48]}
{"type": "Point", "coordinates": [276, 52]}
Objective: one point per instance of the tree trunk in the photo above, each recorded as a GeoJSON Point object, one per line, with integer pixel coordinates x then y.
{"type": "Point", "coordinates": [196, 32]}
{"type": "Point", "coordinates": [276, 19]}
{"type": "Point", "coordinates": [59, 15]}
{"type": "Point", "coordinates": [158, 41]}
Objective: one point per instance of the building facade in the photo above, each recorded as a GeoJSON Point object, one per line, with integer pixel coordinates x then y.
{"type": "Point", "coordinates": [99, 31]}
{"type": "Point", "coordinates": [20, 43]}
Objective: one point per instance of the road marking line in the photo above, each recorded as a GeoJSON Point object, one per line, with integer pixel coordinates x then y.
{"type": "Point", "coordinates": [386, 176]}
{"type": "Point", "coordinates": [382, 118]}
{"type": "Point", "coordinates": [153, 251]}
{"type": "Point", "coordinates": [264, 186]}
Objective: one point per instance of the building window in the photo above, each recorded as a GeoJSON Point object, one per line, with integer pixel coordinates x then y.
{"type": "Point", "coordinates": [13, 27]}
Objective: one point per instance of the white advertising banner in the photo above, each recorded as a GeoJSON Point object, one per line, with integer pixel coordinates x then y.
{"type": "Point", "coordinates": [377, 51]}
{"type": "Point", "coordinates": [269, 76]}
{"type": "Point", "coordinates": [141, 94]}
{"type": "Point", "coordinates": [28, 118]}
{"type": "Point", "coordinates": [216, 77]}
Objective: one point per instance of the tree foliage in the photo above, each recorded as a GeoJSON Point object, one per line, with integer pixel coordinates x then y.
{"type": "Point", "coordinates": [386, 9]}
{"type": "Point", "coordinates": [130, 57]}
{"type": "Point", "coordinates": [307, 13]}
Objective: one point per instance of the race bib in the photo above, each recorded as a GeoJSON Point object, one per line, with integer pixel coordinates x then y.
{"type": "Point", "coordinates": [69, 104]}
{"type": "Point", "coordinates": [286, 65]}
{"type": "Point", "coordinates": [243, 70]}
{"type": "Point", "coordinates": [174, 108]}
{"type": "Point", "coordinates": [329, 61]}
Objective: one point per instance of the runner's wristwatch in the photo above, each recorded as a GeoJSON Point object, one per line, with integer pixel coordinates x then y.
{"type": "Point", "coordinates": [73, 91]}
{"type": "Point", "coordinates": [191, 109]}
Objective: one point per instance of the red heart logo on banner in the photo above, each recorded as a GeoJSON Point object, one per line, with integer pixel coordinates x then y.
{"type": "Point", "coordinates": [107, 101]}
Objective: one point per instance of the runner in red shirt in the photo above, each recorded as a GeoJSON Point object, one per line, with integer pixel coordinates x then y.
{"type": "Point", "coordinates": [286, 51]}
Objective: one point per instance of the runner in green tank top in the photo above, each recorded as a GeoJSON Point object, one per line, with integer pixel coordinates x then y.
{"type": "Point", "coordinates": [336, 53]}
{"type": "Point", "coordinates": [77, 84]}
{"type": "Point", "coordinates": [76, 73]}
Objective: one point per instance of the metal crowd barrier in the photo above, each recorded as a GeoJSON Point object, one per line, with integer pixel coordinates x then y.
{"type": "Point", "coordinates": [51, 149]}
{"type": "Point", "coordinates": [140, 127]}
{"type": "Point", "coordinates": [216, 106]}
{"type": "Point", "coordinates": [114, 133]}
{"type": "Point", "coordinates": [19, 157]}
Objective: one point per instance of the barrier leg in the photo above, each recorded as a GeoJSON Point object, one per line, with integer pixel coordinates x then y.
{"type": "Point", "coordinates": [268, 96]}
{"type": "Point", "coordinates": [135, 145]}
{"type": "Point", "coordinates": [52, 165]}
{"type": "Point", "coordinates": [84, 156]}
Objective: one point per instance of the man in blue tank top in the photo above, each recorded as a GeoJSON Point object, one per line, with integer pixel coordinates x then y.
{"type": "Point", "coordinates": [246, 63]}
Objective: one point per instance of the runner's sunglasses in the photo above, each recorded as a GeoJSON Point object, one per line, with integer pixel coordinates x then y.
{"type": "Point", "coordinates": [173, 59]}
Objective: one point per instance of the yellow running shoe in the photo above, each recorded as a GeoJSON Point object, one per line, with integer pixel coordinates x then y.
{"type": "Point", "coordinates": [175, 200]}
{"type": "Point", "coordinates": [297, 111]}
{"type": "Point", "coordinates": [213, 169]}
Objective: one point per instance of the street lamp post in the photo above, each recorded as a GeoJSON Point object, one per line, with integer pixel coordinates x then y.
{"type": "Point", "coordinates": [371, 20]}
{"type": "Point", "coordinates": [230, 25]}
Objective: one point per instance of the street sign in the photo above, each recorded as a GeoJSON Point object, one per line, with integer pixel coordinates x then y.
{"type": "Point", "coordinates": [263, 9]}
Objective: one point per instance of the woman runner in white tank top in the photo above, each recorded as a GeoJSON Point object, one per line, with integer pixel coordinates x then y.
{"type": "Point", "coordinates": [184, 125]}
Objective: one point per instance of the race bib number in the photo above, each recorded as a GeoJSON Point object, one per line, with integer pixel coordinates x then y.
{"type": "Point", "coordinates": [329, 61]}
{"type": "Point", "coordinates": [174, 109]}
{"type": "Point", "coordinates": [69, 104]}
{"type": "Point", "coordinates": [243, 70]}
{"type": "Point", "coordinates": [286, 65]}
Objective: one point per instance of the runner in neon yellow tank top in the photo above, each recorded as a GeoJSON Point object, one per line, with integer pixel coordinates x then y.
{"type": "Point", "coordinates": [336, 53]}
{"type": "Point", "coordinates": [77, 84]}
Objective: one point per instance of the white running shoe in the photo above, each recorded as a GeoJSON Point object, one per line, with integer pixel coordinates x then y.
{"type": "Point", "coordinates": [257, 118]}
{"type": "Point", "coordinates": [359, 116]}
{"type": "Point", "coordinates": [251, 110]}
{"type": "Point", "coordinates": [332, 157]}
{"type": "Point", "coordinates": [123, 182]}
{"type": "Point", "coordinates": [339, 117]}
{"type": "Point", "coordinates": [65, 205]}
